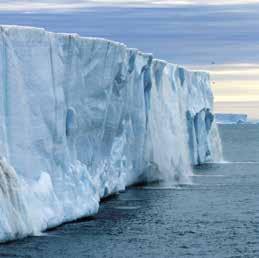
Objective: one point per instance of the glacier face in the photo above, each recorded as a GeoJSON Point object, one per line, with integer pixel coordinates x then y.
{"type": "Point", "coordinates": [82, 118]}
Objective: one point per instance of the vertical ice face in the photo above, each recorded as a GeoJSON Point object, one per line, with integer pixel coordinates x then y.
{"type": "Point", "coordinates": [82, 118]}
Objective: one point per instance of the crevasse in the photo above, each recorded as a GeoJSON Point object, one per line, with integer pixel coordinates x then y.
{"type": "Point", "coordinates": [82, 118]}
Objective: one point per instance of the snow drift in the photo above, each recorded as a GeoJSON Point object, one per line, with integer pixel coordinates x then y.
{"type": "Point", "coordinates": [82, 118]}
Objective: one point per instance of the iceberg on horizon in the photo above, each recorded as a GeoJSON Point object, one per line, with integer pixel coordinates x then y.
{"type": "Point", "coordinates": [225, 118]}
{"type": "Point", "coordinates": [82, 118]}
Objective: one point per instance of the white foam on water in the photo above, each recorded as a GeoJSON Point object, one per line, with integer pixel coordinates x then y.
{"type": "Point", "coordinates": [126, 207]}
{"type": "Point", "coordinates": [207, 175]}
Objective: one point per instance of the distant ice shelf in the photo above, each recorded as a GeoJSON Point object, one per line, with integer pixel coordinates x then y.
{"type": "Point", "coordinates": [82, 118]}
{"type": "Point", "coordinates": [224, 118]}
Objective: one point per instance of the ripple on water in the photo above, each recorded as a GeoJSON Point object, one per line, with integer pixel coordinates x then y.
{"type": "Point", "coordinates": [216, 216]}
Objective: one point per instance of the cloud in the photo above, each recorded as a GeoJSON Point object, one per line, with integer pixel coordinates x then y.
{"type": "Point", "coordinates": [188, 35]}
{"type": "Point", "coordinates": [194, 35]}
{"type": "Point", "coordinates": [29, 5]}
{"type": "Point", "coordinates": [235, 86]}
{"type": "Point", "coordinates": [238, 107]}
{"type": "Point", "coordinates": [231, 72]}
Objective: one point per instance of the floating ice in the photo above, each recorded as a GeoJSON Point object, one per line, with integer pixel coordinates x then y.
{"type": "Point", "coordinates": [231, 118]}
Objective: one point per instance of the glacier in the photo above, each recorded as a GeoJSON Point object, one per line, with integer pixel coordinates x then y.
{"type": "Point", "coordinates": [82, 118]}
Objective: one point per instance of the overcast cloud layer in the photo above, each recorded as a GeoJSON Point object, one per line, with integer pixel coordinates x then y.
{"type": "Point", "coordinates": [29, 5]}
{"type": "Point", "coordinates": [222, 39]}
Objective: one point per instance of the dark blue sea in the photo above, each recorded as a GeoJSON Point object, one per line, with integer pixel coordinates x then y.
{"type": "Point", "coordinates": [216, 216]}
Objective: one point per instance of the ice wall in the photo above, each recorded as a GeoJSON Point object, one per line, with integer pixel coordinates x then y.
{"type": "Point", "coordinates": [82, 118]}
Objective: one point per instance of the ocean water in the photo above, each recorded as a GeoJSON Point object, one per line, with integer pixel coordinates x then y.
{"type": "Point", "coordinates": [216, 216]}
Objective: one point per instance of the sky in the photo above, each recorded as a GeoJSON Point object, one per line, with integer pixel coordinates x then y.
{"type": "Point", "coordinates": [68, 4]}
{"type": "Point", "coordinates": [221, 37]}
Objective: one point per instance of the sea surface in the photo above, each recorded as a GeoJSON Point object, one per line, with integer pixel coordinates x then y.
{"type": "Point", "coordinates": [216, 216]}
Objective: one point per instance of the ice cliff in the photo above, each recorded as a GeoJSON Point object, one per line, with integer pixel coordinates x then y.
{"type": "Point", "coordinates": [82, 118]}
